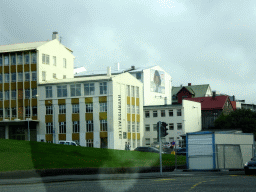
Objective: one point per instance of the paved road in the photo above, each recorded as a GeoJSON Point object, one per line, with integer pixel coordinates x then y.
{"type": "Point", "coordinates": [169, 181]}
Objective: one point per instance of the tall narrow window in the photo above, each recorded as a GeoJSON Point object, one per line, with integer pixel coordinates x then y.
{"type": "Point", "coordinates": [103, 107]}
{"type": "Point", "coordinates": [13, 77]}
{"type": "Point", "coordinates": [62, 109]}
{"type": "Point", "coordinates": [137, 92]}
{"type": "Point", "coordinates": [48, 91]}
{"type": "Point", "coordinates": [49, 128]}
{"type": "Point", "coordinates": [128, 109]}
{"type": "Point", "coordinates": [1, 95]}
{"type": "Point", "coordinates": [137, 110]}
{"type": "Point", "coordinates": [103, 88]}
{"type": "Point", "coordinates": [128, 90]}
{"type": "Point", "coordinates": [43, 58]}
{"type": "Point", "coordinates": [138, 127]}
{"type": "Point", "coordinates": [34, 75]}
{"type": "Point", "coordinates": [89, 108]}
{"type": "Point", "coordinates": [6, 60]}
{"type": "Point", "coordinates": [64, 63]}
{"type": "Point", "coordinates": [14, 113]}
{"type": "Point", "coordinates": [48, 109]}
{"type": "Point", "coordinates": [27, 58]}
{"type": "Point", "coordinates": [62, 127]}
{"type": "Point", "coordinates": [47, 57]}
{"type": "Point", "coordinates": [27, 76]}
{"type": "Point", "coordinates": [75, 90]}
{"type": "Point", "coordinates": [27, 93]}
{"type": "Point", "coordinates": [75, 108]}
{"type": "Point", "coordinates": [132, 88]}
{"type": "Point", "coordinates": [162, 113]}
{"type": "Point", "coordinates": [7, 112]}
{"type": "Point", "coordinates": [1, 112]}
{"type": "Point", "coordinates": [89, 126]}
{"type": "Point", "coordinates": [43, 75]}
{"type": "Point", "coordinates": [1, 78]}
{"type": "Point", "coordinates": [64, 76]}
{"type": "Point", "coordinates": [34, 59]}
{"type": "Point", "coordinates": [6, 77]}
{"type": "Point", "coordinates": [133, 126]}
{"type": "Point", "coordinates": [1, 60]}
{"type": "Point", "coordinates": [20, 59]}
{"type": "Point", "coordinates": [13, 94]}
{"type": "Point", "coordinates": [76, 126]}
{"type": "Point", "coordinates": [179, 112]}
{"type": "Point", "coordinates": [103, 125]}
{"type": "Point", "coordinates": [27, 111]}
{"type": "Point", "coordinates": [54, 61]}
{"type": "Point", "coordinates": [54, 75]}
{"type": "Point", "coordinates": [13, 59]}
{"type": "Point", "coordinates": [34, 110]}
{"type": "Point", "coordinates": [128, 126]}
{"type": "Point", "coordinates": [7, 97]}
{"type": "Point", "coordinates": [34, 93]}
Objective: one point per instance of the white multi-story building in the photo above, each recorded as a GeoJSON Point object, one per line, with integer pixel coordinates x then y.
{"type": "Point", "coordinates": [98, 111]}
{"type": "Point", "coordinates": [181, 119]}
{"type": "Point", "coordinates": [22, 67]}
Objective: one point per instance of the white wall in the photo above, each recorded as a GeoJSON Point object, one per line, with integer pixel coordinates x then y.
{"type": "Point", "coordinates": [55, 48]}
{"type": "Point", "coordinates": [192, 116]}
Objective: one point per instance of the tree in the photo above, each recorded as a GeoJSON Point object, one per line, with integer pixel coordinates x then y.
{"type": "Point", "coordinates": [244, 119]}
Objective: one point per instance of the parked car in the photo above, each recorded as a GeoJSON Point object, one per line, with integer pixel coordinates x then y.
{"type": "Point", "coordinates": [148, 149]}
{"type": "Point", "coordinates": [68, 143]}
{"type": "Point", "coordinates": [155, 144]}
{"type": "Point", "coordinates": [181, 151]}
{"type": "Point", "coordinates": [250, 166]}
{"type": "Point", "coordinates": [167, 145]}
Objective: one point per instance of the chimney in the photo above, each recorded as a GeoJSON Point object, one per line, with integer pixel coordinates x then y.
{"type": "Point", "coordinates": [109, 71]}
{"type": "Point", "coordinates": [213, 94]}
{"type": "Point", "coordinates": [118, 66]}
{"type": "Point", "coordinates": [234, 98]}
{"type": "Point", "coordinates": [180, 85]}
{"type": "Point", "coordinates": [55, 35]}
{"type": "Point", "coordinates": [189, 84]}
{"type": "Point", "coordinates": [133, 67]}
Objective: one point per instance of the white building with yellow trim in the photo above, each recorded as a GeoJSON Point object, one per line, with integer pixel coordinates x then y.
{"type": "Point", "coordinates": [99, 111]}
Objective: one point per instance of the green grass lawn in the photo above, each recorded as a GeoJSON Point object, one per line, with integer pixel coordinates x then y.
{"type": "Point", "coordinates": [30, 155]}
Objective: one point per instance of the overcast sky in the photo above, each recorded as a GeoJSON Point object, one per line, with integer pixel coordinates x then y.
{"type": "Point", "coordinates": [195, 41]}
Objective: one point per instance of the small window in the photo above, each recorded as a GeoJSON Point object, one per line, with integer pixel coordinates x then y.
{"type": "Point", "coordinates": [13, 94]}
{"type": "Point", "coordinates": [27, 76]}
{"type": "Point", "coordinates": [147, 115]}
{"type": "Point", "coordinates": [20, 59]}
{"type": "Point", "coordinates": [75, 108]}
{"type": "Point", "coordinates": [89, 108]}
{"type": "Point", "coordinates": [13, 77]}
{"type": "Point", "coordinates": [54, 61]}
{"type": "Point", "coordinates": [128, 90]}
{"type": "Point", "coordinates": [64, 77]}
{"type": "Point", "coordinates": [179, 126]}
{"type": "Point", "coordinates": [13, 59]}
{"type": "Point", "coordinates": [103, 107]}
{"type": "Point", "coordinates": [27, 93]}
{"type": "Point", "coordinates": [171, 126]}
{"type": "Point", "coordinates": [179, 112]}
{"type": "Point", "coordinates": [154, 113]}
{"type": "Point", "coordinates": [47, 59]}
{"type": "Point", "coordinates": [54, 75]}
{"type": "Point", "coordinates": [27, 60]}
{"type": "Point", "coordinates": [6, 60]}
{"type": "Point", "coordinates": [34, 60]}
{"type": "Point", "coordinates": [138, 76]}
{"type": "Point", "coordinates": [48, 109]}
{"type": "Point", "coordinates": [1, 78]}
{"type": "Point", "coordinates": [62, 109]}
{"type": "Point", "coordinates": [128, 126]}
{"type": "Point", "coordinates": [7, 97]}
{"type": "Point", "coordinates": [6, 77]}
{"type": "Point", "coordinates": [34, 75]}
{"type": "Point", "coordinates": [162, 113]}
{"type": "Point", "coordinates": [14, 113]}
{"type": "Point", "coordinates": [43, 58]}
{"type": "Point", "coordinates": [64, 63]}
{"type": "Point", "coordinates": [147, 127]}
{"type": "Point", "coordinates": [154, 127]}
{"type": "Point", "coordinates": [128, 109]}
{"type": "Point", "coordinates": [43, 75]}
{"type": "Point", "coordinates": [76, 126]}
{"type": "Point", "coordinates": [170, 113]}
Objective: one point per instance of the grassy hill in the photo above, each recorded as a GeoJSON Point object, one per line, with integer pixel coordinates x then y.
{"type": "Point", "coordinates": [31, 155]}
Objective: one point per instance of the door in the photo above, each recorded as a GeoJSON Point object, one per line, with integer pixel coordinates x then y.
{"type": "Point", "coordinates": [104, 142]}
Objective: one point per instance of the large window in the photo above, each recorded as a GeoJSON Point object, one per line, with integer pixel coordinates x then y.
{"type": "Point", "coordinates": [62, 127]}
{"type": "Point", "coordinates": [34, 76]}
{"type": "Point", "coordinates": [20, 59]}
{"type": "Point", "coordinates": [27, 58]}
{"type": "Point", "coordinates": [154, 113]}
{"type": "Point", "coordinates": [62, 91]}
{"type": "Point", "coordinates": [48, 109]}
{"type": "Point", "coordinates": [49, 128]}
{"type": "Point", "coordinates": [13, 77]}
{"type": "Point", "coordinates": [179, 112]}
{"type": "Point", "coordinates": [76, 126]}
{"type": "Point", "coordinates": [75, 108]}
{"type": "Point", "coordinates": [75, 90]}
{"type": "Point", "coordinates": [13, 59]}
{"type": "Point", "coordinates": [7, 96]}
{"type": "Point", "coordinates": [6, 77]}
{"type": "Point", "coordinates": [27, 76]}
{"type": "Point", "coordinates": [27, 93]}
{"type": "Point", "coordinates": [14, 114]}
{"type": "Point", "coordinates": [89, 108]}
{"type": "Point", "coordinates": [20, 77]}
{"type": "Point", "coordinates": [103, 125]}
{"type": "Point", "coordinates": [6, 60]}
{"type": "Point", "coordinates": [48, 91]}
{"type": "Point", "coordinates": [103, 107]}
{"type": "Point", "coordinates": [89, 126]}
{"type": "Point", "coordinates": [13, 94]}
{"type": "Point", "coordinates": [34, 93]}
{"type": "Point", "coordinates": [34, 60]}
{"type": "Point", "coordinates": [62, 109]}
{"type": "Point", "coordinates": [7, 112]}
{"type": "Point", "coordinates": [89, 89]}
{"type": "Point", "coordinates": [103, 88]}
{"type": "Point", "coordinates": [64, 63]}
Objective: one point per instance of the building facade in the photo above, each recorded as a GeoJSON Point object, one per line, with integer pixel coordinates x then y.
{"type": "Point", "coordinates": [98, 111]}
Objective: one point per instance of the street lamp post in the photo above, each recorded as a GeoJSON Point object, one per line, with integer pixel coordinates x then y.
{"type": "Point", "coordinates": [28, 119]}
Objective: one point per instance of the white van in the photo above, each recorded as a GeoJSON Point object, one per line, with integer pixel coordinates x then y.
{"type": "Point", "coordinates": [68, 143]}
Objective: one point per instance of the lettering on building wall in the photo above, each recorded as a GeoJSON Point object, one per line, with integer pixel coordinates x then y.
{"type": "Point", "coordinates": [119, 117]}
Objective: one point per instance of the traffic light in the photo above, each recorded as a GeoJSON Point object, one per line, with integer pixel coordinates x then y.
{"type": "Point", "coordinates": [158, 125]}
{"type": "Point", "coordinates": [164, 129]}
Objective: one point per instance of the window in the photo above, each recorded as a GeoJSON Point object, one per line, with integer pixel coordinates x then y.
{"type": "Point", "coordinates": [147, 141]}
{"type": "Point", "coordinates": [62, 91]}
{"type": "Point", "coordinates": [138, 127]}
{"type": "Point", "coordinates": [133, 126]}
{"type": "Point", "coordinates": [43, 58]}
{"type": "Point", "coordinates": [27, 93]}
{"type": "Point", "coordinates": [6, 60]}
{"type": "Point", "coordinates": [103, 125]}
{"type": "Point", "coordinates": [170, 113]}
{"type": "Point", "coordinates": [103, 107]}
{"type": "Point", "coordinates": [6, 77]}
{"type": "Point", "coordinates": [179, 112]}
{"type": "Point", "coordinates": [75, 90]}
{"type": "Point", "coordinates": [62, 127]}
{"type": "Point", "coordinates": [132, 88]}
{"type": "Point", "coordinates": [1, 60]}
{"type": "Point", "coordinates": [20, 77]}
{"type": "Point", "coordinates": [34, 93]}
{"type": "Point", "coordinates": [89, 126]}
{"type": "Point", "coordinates": [64, 77]}
{"type": "Point", "coordinates": [20, 59]}
{"type": "Point", "coordinates": [137, 110]}
{"type": "Point", "coordinates": [49, 128]}
{"type": "Point", "coordinates": [171, 139]}
{"type": "Point", "coordinates": [7, 112]}
{"type": "Point", "coordinates": [179, 126]}
{"type": "Point", "coordinates": [75, 108]}
{"type": "Point", "coordinates": [1, 112]}
{"type": "Point", "coordinates": [103, 88]}
{"type": "Point", "coordinates": [62, 109]}
{"type": "Point", "coordinates": [171, 126]}
{"type": "Point", "coordinates": [34, 60]}
{"type": "Point", "coordinates": [1, 78]}
{"type": "Point", "coordinates": [27, 58]}
{"type": "Point", "coordinates": [27, 76]}
{"type": "Point", "coordinates": [89, 89]}
{"type": "Point", "coordinates": [128, 126]}
{"type": "Point", "coordinates": [89, 108]}
{"type": "Point", "coordinates": [14, 114]}
{"type": "Point", "coordinates": [34, 110]}
{"type": "Point", "coordinates": [47, 59]}
{"type": "Point", "coordinates": [154, 113]}
{"type": "Point", "coordinates": [138, 75]}
{"type": "Point", "coordinates": [7, 97]}
{"type": "Point", "coordinates": [48, 109]}
{"type": "Point", "coordinates": [13, 77]}
{"type": "Point", "coordinates": [34, 75]}
{"type": "Point", "coordinates": [54, 75]}
{"type": "Point", "coordinates": [64, 63]}
{"type": "Point", "coordinates": [48, 91]}
{"type": "Point", "coordinates": [128, 109]}
{"type": "Point", "coordinates": [13, 94]}
{"type": "Point", "coordinates": [13, 59]}
{"type": "Point", "coordinates": [54, 61]}
{"type": "Point", "coordinates": [184, 96]}
{"type": "Point", "coordinates": [89, 143]}
{"type": "Point", "coordinates": [154, 127]}
{"type": "Point", "coordinates": [128, 90]}
{"type": "Point", "coordinates": [137, 92]}
{"type": "Point", "coordinates": [162, 113]}
{"type": "Point", "coordinates": [76, 126]}
{"type": "Point", "coordinates": [147, 114]}
{"type": "Point", "coordinates": [133, 109]}
{"type": "Point", "coordinates": [27, 111]}
{"type": "Point", "coordinates": [43, 75]}
{"type": "Point", "coordinates": [124, 135]}
{"type": "Point", "coordinates": [1, 95]}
